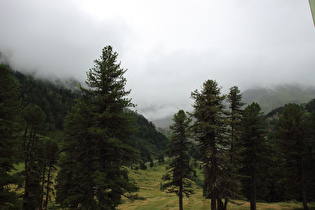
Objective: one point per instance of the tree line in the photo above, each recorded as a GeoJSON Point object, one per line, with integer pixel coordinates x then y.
{"type": "Point", "coordinates": [84, 136]}
{"type": "Point", "coordinates": [90, 138]}
{"type": "Point", "coordinates": [243, 154]}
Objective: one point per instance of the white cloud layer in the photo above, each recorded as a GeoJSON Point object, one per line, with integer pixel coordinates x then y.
{"type": "Point", "coordinates": [169, 47]}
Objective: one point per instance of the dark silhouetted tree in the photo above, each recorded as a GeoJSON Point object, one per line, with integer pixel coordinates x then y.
{"type": "Point", "coordinates": [292, 142]}
{"type": "Point", "coordinates": [253, 150]}
{"type": "Point", "coordinates": [98, 131]}
{"type": "Point", "coordinates": [234, 99]}
{"type": "Point", "coordinates": [210, 132]}
{"type": "Point", "coordinates": [177, 179]}
{"type": "Point", "coordinates": [9, 134]}
{"type": "Point", "coordinates": [34, 119]}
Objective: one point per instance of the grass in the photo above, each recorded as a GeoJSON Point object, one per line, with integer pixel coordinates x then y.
{"type": "Point", "coordinates": [149, 183]}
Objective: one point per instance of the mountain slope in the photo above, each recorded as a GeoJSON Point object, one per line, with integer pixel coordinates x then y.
{"type": "Point", "coordinates": [57, 99]}
{"type": "Point", "coordinates": [268, 98]}
{"type": "Point", "coordinates": [271, 98]}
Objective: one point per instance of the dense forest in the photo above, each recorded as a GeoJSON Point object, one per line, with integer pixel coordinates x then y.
{"type": "Point", "coordinates": [75, 144]}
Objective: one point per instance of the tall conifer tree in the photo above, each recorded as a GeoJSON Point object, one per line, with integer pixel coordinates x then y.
{"type": "Point", "coordinates": [210, 132]}
{"type": "Point", "coordinates": [179, 170]}
{"type": "Point", "coordinates": [101, 138]}
{"type": "Point", "coordinates": [34, 119]}
{"type": "Point", "coordinates": [9, 129]}
{"type": "Point", "coordinates": [234, 99]}
{"type": "Point", "coordinates": [252, 143]}
{"type": "Point", "coordinates": [292, 142]}
{"type": "Point", "coordinates": [235, 104]}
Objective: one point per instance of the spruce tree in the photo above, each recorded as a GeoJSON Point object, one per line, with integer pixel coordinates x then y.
{"type": "Point", "coordinates": [234, 99]}
{"type": "Point", "coordinates": [292, 142]}
{"type": "Point", "coordinates": [210, 132]}
{"type": "Point", "coordinates": [9, 135]}
{"type": "Point", "coordinates": [34, 119]}
{"type": "Point", "coordinates": [99, 127]}
{"type": "Point", "coordinates": [179, 172]}
{"type": "Point", "coordinates": [252, 144]}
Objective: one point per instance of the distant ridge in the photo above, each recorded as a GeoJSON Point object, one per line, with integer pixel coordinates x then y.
{"type": "Point", "coordinates": [277, 96]}
{"type": "Point", "coordinates": [268, 98]}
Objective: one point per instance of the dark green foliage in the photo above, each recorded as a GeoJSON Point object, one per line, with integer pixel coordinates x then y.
{"type": "Point", "coordinates": [9, 130]}
{"type": "Point", "coordinates": [148, 140]}
{"type": "Point", "coordinates": [48, 160]}
{"type": "Point", "coordinates": [210, 132]}
{"type": "Point", "coordinates": [98, 130]}
{"type": "Point", "coordinates": [34, 119]}
{"type": "Point", "coordinates": [234, 99]}
{"type": "Point", "coordinates": [54, 100]}
{"type": "Point", "coordinates": [179, 171]}
{"type": "Point", "coordinates": [310, 158]}
{"type": "Point", "coordinates": [293, 144]}
{"type": "Point", "coordinates": [310, 106]}
{"type": "Point", "coordinates": [235, 104]}
{"type": "Point", "coordinates": [253, 151]}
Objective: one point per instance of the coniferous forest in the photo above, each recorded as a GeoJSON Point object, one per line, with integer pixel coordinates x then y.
{"type": "Point", "coordinates": [73, 146]}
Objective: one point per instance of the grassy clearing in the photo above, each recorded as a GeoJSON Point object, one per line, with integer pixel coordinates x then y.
{"type": "Point", "coordinates": [149, 183]}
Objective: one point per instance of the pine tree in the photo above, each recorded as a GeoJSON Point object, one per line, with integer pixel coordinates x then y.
{"type": "Point", "coordinates": [75, 186]}
{"type": "Point", "coordinates": [252, 144]}
{"type": "Point", "coordinates": [177, 179]}
{"type": "Point", "coordinates": [210, 132]}
{"type": "Point", "coordinates": [34, 119]}
{"type": "Point", "coordinates": [99, 129]}
{"type": "Point", "coordinates": [234, 99]}
{"type": "Point", "coordinates": [9, 131]}
{"type": "Point", "coordinates": [292, 142]}
{"type": "Point", "coordinates": [49, 151]}
{"type": "Point", "coordinates": [235, 104]}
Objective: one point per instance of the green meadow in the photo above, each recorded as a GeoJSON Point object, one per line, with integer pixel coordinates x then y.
{"type": "Point", "coordinates": [149, 183]}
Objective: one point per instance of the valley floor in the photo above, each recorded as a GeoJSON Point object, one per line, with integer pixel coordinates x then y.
{"type": "Point", "coordinates": [149, 183]}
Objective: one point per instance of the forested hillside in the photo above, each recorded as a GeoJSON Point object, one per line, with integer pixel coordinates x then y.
{"type": "Point", "coordinates": [268, 99]}
{"type": "Point", "coordinates": [74, 148]}
{"type": "Point", "coordinates": [38, 111]}
{"type": "Point", "coordinates": [56, 100]}
{"type": "Point", "coordinates": [277, 96]}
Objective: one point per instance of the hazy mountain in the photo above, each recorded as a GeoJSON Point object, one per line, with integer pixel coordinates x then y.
{"type": "Point", "coordinates": [274, 97]}
{"type": "Point", "coordinates": [268, 98]}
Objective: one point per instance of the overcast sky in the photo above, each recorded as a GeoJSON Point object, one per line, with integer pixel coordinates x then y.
{"type": "Point", "coordinates": [170, 47]}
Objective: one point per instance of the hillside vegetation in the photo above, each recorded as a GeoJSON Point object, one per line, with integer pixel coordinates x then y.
{"type": "Point", "coordinates": [149, 182]}
{"type": "Point", "coordinates": [268, 99]}
{"type": "Point", "coordinates": [85, 149]}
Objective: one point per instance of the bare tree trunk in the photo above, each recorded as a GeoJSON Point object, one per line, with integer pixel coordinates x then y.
{"type": "Point", "coordinates": [253, 190]}
{"type": "Point", "coordinates": [213, 202]}
{"type": "Point", "coordinates": [42, 190]}
{"type": "Point", "coordinates": [303, 192]}
{"type": "Point", "coordinates": [180, 195]}
{"type": "Point", "coordinates": [48, 187]}
{"type": "Point", "coordinates": [180, 202]}
{"type": "Point", "coordinates": [225, 203]}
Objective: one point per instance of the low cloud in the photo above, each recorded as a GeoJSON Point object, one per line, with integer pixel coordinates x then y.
{"type": "Point", "coordinates": [169, 48]}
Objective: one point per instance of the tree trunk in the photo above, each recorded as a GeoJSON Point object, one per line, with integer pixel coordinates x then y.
{"type": "Point", "coordinates": [220, 204]}
{"type": "Point", "coordinates": [27, 146]}
{"type": "Point", "coordinates": [48, 187]}
{"type": "Point", "coordinates": [225, 203]}
{"type": "Point", "coordinates": [303, 192]}
{"type": "Point", "coordinates": [253, 190]}
{"type": "Point", "coordinates": [213, 202]}
{"type": "Point", "coordinates": [180, 195]}
{"type": "Point", "coordinates": [304, 198]}
{"type": "Point", "coordinates": [42, 189]}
